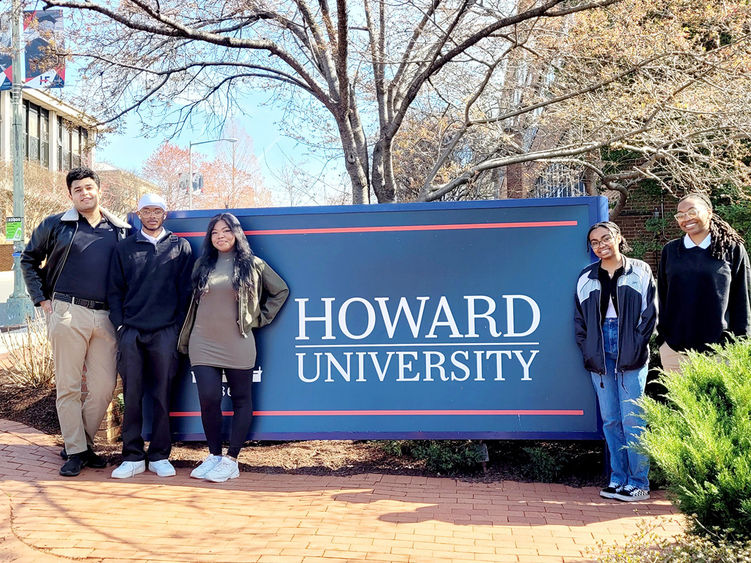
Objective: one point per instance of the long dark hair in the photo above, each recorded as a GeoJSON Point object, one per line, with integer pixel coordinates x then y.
{"type": "Point", "coordinates": [614, 229]}
{"type": "Point", "coordinates": [724, 237]}
{"type": "Point", "coordinates": [241, 276]}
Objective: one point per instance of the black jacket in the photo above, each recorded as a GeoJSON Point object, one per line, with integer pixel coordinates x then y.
{"type": "Point", "coordinates": [637, 315]}
{"type": "Point", "coordinates": [51, 241]}
{"type": "Point", "coordinates": [149, 286]}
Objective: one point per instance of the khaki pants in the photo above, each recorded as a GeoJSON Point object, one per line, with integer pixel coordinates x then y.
{"type": "Point", "coordinates": [82, 337]}
{"type": "Point", "coordinates": [671, 360]}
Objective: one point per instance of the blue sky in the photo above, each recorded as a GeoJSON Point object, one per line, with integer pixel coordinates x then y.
{"type": "Point", "coordinates": [273, 150]}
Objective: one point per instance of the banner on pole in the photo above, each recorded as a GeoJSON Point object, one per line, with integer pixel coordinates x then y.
{"type": "Point", "coordinates": [43, 38]}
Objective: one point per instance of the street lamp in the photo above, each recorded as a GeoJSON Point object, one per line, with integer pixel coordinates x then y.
{"type": "Point", "coordinates": [18, 306]}
{"type": "Point", "coordinates": [190, 164]}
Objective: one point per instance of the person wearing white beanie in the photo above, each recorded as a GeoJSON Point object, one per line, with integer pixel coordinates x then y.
{"type": "Point", "coordinates": [148, 296]}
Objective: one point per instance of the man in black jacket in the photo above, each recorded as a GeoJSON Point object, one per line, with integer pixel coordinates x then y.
{"type": "Point", "coordinates": [148, 296]}
{"type": "Point", "coordinates": [75, 248]}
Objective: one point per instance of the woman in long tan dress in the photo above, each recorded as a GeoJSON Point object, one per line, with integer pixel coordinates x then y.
{"type": "Point", "coordinates": [234, 292]}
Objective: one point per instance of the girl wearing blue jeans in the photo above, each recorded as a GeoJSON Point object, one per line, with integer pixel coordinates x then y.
{"type": "Point", "coordinates": [614, 319]}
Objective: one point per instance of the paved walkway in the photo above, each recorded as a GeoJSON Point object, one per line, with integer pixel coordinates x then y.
{"type": "Point", "coordinates": [297, 518]}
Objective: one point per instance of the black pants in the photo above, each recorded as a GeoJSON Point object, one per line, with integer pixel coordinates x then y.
{"type": "Point", "coordinates": [147, 358]}
{"type": "Point", "coordinates": [209, 383]}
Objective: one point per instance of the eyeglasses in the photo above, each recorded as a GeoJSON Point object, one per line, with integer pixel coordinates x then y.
{"type": "Point", "coordinates": [151, 212]}
{"type": "Point", "coordinates": [691, 213]}
{"type": "Point", "coordinates": [606, 239]}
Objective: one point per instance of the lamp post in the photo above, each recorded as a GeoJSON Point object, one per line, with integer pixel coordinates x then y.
{"type": "Point", "coordinates": [190, 164]}
{"type": "Point", "coordinates": [18, 305]}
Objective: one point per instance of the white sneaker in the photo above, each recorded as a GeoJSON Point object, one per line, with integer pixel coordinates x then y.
{"type": "Point", "coordinates": [128, 469]}
{"type": "Point", "coordinates": [162, 468]}
{"type": "Point", "coordinates": [224, 470]}
{"type": "Point", "coordinates": [207, 465]}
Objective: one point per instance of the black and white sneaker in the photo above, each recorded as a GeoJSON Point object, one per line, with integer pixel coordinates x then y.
{"type": "Point", "coordinates": [611, 490]}
{"type": "Point", "coordinates": [629, 493]}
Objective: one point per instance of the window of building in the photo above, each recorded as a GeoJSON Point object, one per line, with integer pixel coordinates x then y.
{"type": "Point", "coordinates": [72, 145]}
{"type": "Point", "coordinates": [32, 130]}
{"type": "Point", "coordinates": [36, 133]}
{"type": "Point", "coordinates": [559, 180]}
{"type": "Point", "coordinates": [75, 147]}
{"type": "Point", "coordinates": [26, 130]}
{"type": "Point", "coordinates": [85, 149]}
{"type": "Point", "coordinates": [44, 137]}
{"type": "Point", "coordinates": [60, 135]}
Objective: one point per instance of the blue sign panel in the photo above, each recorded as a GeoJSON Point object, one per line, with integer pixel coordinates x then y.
{"type": "Point", "coordinates": [416, 321]}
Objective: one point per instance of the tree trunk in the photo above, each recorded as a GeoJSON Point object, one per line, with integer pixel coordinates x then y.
{"type": "Point", "coordinates": [353, 162]}
{"type": "Point", "coordinates": [382, 176]}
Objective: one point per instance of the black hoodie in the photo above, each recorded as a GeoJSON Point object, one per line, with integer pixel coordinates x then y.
{"type": "Point", "coordinates": [150, 285]}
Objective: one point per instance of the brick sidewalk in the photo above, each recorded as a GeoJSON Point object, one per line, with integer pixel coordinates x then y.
{"type": "Point", "coordinates": [297, 518]}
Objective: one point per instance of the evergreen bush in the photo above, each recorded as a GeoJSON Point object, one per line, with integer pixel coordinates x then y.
{"type": "Point", "coordinates": [441, 456]}
{"type": "Point", "coordinates": [700, 437]}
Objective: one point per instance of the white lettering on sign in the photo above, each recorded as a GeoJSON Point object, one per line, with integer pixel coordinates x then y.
{"type": "Point", "coordinates": [412, 366]}
{"type": "Point", "coordinates": [443, 317]}
{"type": "Point", "coordinates": [404, 335]}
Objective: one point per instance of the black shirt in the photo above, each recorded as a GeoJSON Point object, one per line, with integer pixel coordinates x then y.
{"type": "Point", "coordinates": [609, 289]}
{"type": "Point", "coordinates": [86, 268]}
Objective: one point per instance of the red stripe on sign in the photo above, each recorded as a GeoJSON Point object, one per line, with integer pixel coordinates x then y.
{"type": "Point", "coordinates": [528, 412]}
{"type": "Point", "coordinates": [393, 228]}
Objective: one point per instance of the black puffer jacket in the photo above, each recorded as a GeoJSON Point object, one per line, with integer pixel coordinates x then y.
{"type": "Point", "coordinates": [637, 315]}
{"type": "Point", "coordinates": [51, 241]}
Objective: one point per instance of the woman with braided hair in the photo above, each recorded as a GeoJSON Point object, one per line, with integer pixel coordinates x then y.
{"type": "Point", "coordinates": [703, 283]}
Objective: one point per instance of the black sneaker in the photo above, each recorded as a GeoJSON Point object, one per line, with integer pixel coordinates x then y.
{"type": "Point", "coordinates": [63, 454]}
{"type": "Point", "coordinates": [73, 466]}
{"type": "Point", "coordinates": [611, 490]}
{"type": "Point", "coordinates": [94, 460]}
{"type": "Point", "coordinates": [630, 493]}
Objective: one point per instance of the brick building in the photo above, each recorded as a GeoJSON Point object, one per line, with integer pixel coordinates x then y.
{"type": "Point", "coordinates": [647, 223]}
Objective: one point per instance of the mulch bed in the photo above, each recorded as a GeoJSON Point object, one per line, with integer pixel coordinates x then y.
{"type": "Point", "coordinates": [581, 465]}
{"type": "Point", "coordinates": [33, 407]}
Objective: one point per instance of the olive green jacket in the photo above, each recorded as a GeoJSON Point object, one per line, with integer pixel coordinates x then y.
{"type": "Point", "coordinates": [256, 308]}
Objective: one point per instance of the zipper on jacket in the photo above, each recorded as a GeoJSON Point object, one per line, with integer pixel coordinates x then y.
{"type": "Point", "coordinates": [618, 356]}
{"type": "Point", "coordinates": [65, 259]}
{"type": "Point", "coordinates": [602, 335]}
{"type": "Point", "coordinates": [617, 287]}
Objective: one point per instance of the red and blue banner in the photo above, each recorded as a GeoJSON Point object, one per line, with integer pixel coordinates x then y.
{"type": "Point", "coordinates": [440, 320]}
{"type": "Point", "coordinates": [43, 35]}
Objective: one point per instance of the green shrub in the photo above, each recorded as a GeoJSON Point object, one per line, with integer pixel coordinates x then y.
{"type": "Point", "coordinates": [732, 204]}
{"type": "Point", "coordinates": [441, 456]}
{"type": "Point", "coordinates": [543, 465]}
{"type": "Point", "coordinates": [572, 462]}
{"type": "Point", "coordinates": [700, 438]}
{"type": "Point", "coordinates": [546, 462]}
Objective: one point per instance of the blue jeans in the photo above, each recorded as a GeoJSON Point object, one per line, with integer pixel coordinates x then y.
{"type": "Point", "coordinates": [622, 421]}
